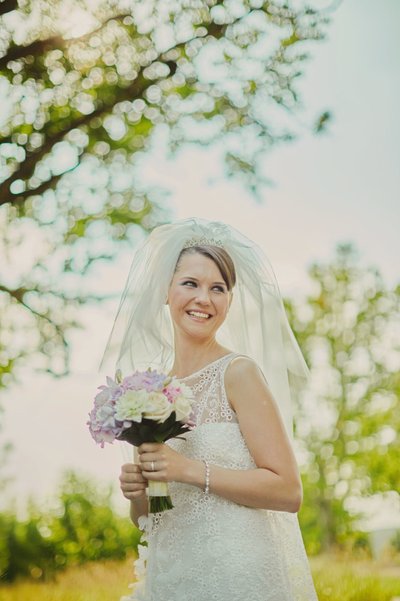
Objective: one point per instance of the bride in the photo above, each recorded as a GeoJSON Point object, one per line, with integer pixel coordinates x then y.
{"type": "Point", "coordinates": [202, 302]}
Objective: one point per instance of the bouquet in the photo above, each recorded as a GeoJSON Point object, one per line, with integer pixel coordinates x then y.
{"type": "Point", "coordinates": [144, 407]}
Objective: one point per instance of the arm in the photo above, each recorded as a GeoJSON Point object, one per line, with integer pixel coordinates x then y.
{"type": "Point", "coordinates": [133, 486]}
{"type": "Point", "coordinates": [275, 482]}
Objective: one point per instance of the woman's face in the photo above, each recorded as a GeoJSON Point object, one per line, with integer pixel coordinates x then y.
{"type": "Point", "coordinates": [198, 297]}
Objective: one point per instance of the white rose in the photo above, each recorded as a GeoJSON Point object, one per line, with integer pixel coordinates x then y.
{"type": "Point", "coordinates": [186, 391]}
{"type": "Point", "coordinates": [131, 405]}
{"type": "Point", "coordinates": [182, 407]}
{"type": "Point", "coordinates": [158, 407]}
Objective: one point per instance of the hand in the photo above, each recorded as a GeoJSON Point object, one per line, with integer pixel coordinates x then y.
{"type": "Point", "coordinates": [160, 462]}
{"type": "Point", "coordinates": [132, 483]}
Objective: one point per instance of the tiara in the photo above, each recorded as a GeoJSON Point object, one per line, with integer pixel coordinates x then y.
{"type": "Point", "coordinates": [202, 242]}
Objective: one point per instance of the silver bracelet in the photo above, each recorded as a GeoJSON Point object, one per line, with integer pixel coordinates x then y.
{"type": "Point", "coordinates": [207, 477]}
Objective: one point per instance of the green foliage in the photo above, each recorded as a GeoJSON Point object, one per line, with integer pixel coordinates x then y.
{"type": "Point", "coordinates": [349, 329]}
{"type": "Point", "coordinates": [86, 90]}
{"type": "Point", "coordinates": [102, 92]}
{"type": "Point", "coordinates": [395, 542]}
{"type": "Point", "coordinates": [80, 528]}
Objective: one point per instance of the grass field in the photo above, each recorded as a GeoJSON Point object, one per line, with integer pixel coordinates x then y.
{"type": "Point", "coordinates": [336, 579]}
{"type": "Point", "coordinates": [91, 582]}
{"type": "Point", "coordinates": [343, 579]}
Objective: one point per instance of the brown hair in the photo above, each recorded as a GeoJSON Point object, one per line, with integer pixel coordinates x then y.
{"type": "Point", "coordinates": [220, 257]}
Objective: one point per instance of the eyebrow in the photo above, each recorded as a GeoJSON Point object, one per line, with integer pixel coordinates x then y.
{"type": "Point", "coordinates": [190, 277]}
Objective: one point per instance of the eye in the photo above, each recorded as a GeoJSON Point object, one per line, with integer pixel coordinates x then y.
{"type": "Point", "coordinates": [219, 288]}
{"type": "Point", "coordinates": [189, 282]}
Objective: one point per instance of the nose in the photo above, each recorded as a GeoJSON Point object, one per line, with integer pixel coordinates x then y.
{"type": "Point", "coordinates": [202, 296]}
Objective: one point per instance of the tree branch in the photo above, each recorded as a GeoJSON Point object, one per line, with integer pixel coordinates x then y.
{"type": "Point", "coordinates": [16, 52]}
{"type": "Point", "coordinates": [18, 295]}
{"type": "Point", "coordinates": [135, 90]}
{"type": "Point", "coordinates": [37, 47]}
{"type": "Point", "coordinates": [28, 166]}
{"type": "Point", "coordinates": [49, 184]}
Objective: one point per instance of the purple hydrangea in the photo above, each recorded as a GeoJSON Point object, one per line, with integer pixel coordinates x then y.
{"type": "Point", "coordinates": [149, 380]}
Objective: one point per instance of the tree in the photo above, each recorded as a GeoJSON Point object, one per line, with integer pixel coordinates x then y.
{"type": "Point", "coordinates": [349, 329]}
{"type": "Point", "coordinates": [77, 527]}
{"type": "Point", "coordinates": [86, 90]}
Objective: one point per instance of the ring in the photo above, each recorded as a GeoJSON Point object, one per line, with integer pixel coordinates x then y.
{"type": "Point", "coordinates": [152, 466]}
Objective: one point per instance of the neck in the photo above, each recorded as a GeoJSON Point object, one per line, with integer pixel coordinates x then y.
{"type": "Point", "coordinates": [189, 356]}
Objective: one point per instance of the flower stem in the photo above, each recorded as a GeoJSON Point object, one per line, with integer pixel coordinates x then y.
{"type": "Point", "coordinates": [158, 504]}
{"type": "Point", "coordinates": [159, 499]}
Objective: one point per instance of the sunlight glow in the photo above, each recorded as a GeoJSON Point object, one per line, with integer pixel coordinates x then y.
{"type": "Point", "coordinates": [76, 21]}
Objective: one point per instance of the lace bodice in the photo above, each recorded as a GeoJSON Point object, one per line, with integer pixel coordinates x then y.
{"type": "Point", "coordinates": [208, 385]}
{"type": "Point", "coordinates": [209, 548]}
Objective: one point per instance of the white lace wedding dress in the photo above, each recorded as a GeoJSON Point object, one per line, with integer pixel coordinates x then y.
{"type": "Point", "coordinates": [208, 548]}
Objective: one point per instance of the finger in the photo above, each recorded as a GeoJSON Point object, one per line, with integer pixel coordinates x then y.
{"type": "Point", "coordinates": [128, 488]}
{"type": "Point", "coordinates": [155, 465]}
{"type": "Point", "coordinates": [129, 467]}
{"type": "Point", "coordinates": [134, 494]}
{"type": "Point", "coordinates": [132, 479]}
{"type": "Point", "coordinates": [149, 447]}
{"type": "Point", "coordinates": [132, 476]}
{"type": "Point", "coordinates": [156, 475]}
{"type": "Point", "coordinates": [151, 456]}
{"type": "Point", "coordinates": [135, 476]}
{"type": "Point", "coordinates": [131, 473]}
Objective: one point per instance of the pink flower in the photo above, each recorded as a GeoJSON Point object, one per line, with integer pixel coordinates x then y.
{"type": "Point", "coordinates": [171, 392]}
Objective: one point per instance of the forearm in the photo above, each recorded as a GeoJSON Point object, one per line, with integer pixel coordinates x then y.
{"type": "Point", "coordinates": [259, 487]}
{"type": "Point", "coordinates": [139, 505]}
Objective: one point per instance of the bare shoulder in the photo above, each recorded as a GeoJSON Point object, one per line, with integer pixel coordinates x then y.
{"type": "Point", "coordinates": [243, 374]}
{"type": "Point", "coordinates": [250, 396]}
{"type": "Point", "coordinates": [241, 367]}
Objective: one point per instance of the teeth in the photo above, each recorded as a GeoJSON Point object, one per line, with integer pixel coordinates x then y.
{"type": "Point", "coordinates": [198, 314]}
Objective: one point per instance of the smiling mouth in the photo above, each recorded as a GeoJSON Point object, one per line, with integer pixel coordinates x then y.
{"type": "Point", "coordinates": [199, 314]}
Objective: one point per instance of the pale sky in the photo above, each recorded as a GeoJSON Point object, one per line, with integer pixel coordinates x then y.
{"type": "Point", "coordinates": [341, 186]}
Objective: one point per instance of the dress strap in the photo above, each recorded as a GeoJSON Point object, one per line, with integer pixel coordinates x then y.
{"type": "Point", "coordinates": [227, 413]}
